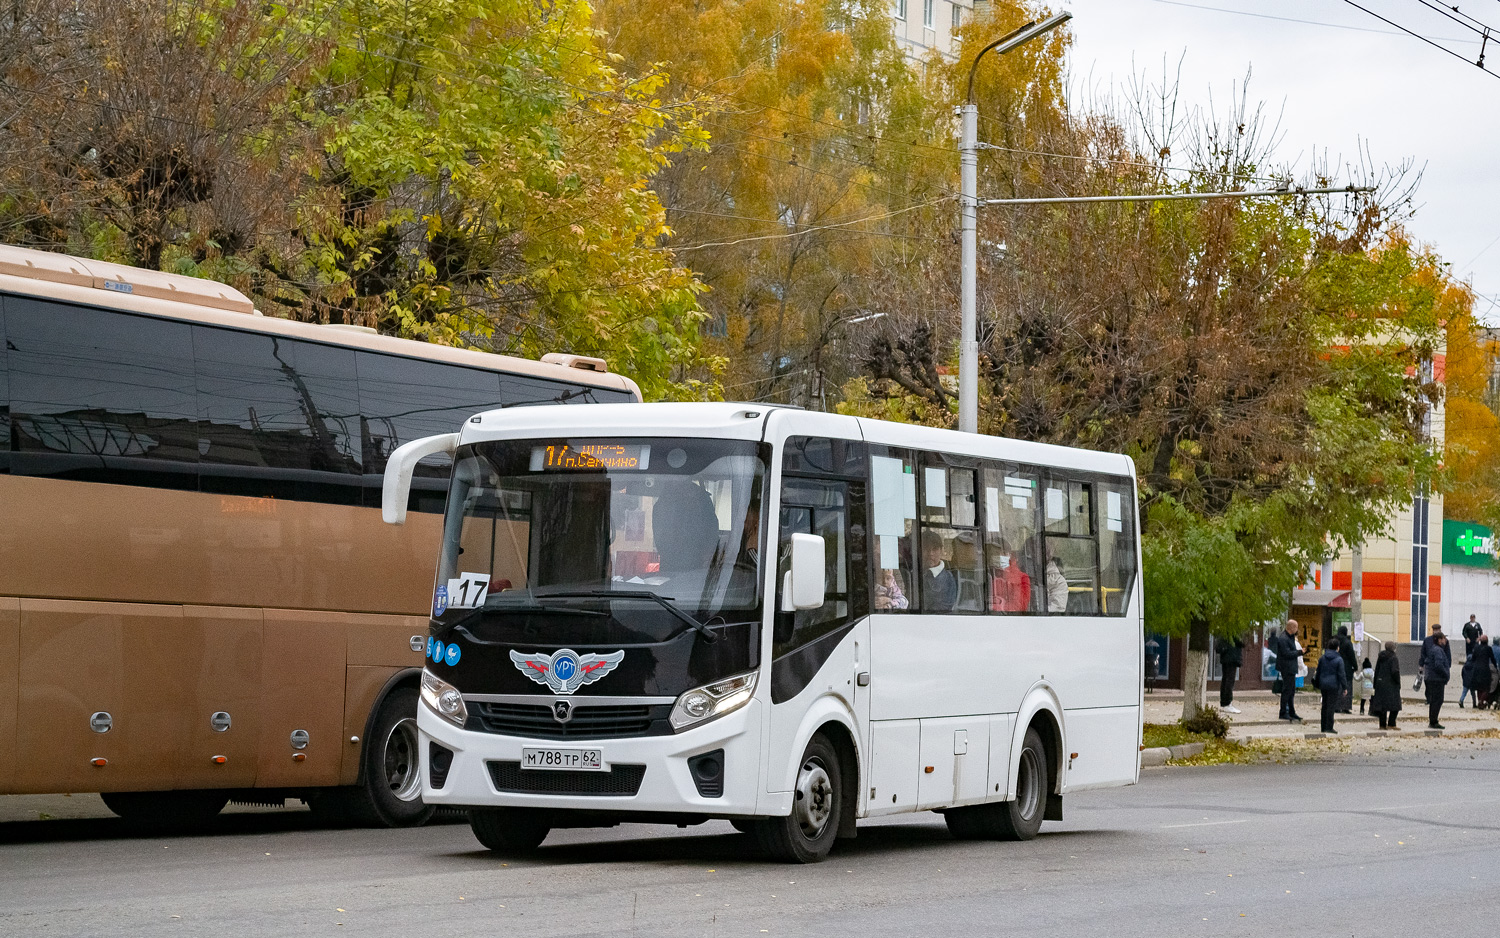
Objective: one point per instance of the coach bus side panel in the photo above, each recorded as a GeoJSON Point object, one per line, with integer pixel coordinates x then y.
{"type": "Point", "coordinates": [302, 688]}
{"type": "Point", "coordinates": [226, 679]}
{"type": "Point", "coordinates": [10, 643]}
{"type": "Point", "coordinates": [129, 660]}
{"type": "Point", "coordinates": [379, 648]}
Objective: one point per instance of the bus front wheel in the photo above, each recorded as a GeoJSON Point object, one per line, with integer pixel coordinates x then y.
{"type": "Point", "coordinates": [1009, 820]}
{"type": "Point", "coordinates": [807, 834]}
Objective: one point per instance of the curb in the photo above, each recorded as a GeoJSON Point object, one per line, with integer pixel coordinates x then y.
{"type": "Point", "coordinates": [1158, 755]}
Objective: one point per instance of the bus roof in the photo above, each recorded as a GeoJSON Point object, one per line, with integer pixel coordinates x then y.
{"type": "Point", "coordinates": [749, 421]}
{"type": "Point", "coordinates": [150, 292]}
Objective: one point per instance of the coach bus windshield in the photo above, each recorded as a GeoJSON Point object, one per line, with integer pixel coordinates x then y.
{"type": "Point", "coordinates": [581, 519]}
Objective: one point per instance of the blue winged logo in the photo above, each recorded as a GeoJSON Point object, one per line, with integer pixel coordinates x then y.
{"type": "Point", "coordinates": [565, 670]}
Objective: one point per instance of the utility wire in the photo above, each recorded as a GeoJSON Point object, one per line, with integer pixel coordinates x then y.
{"type": "Point", "coordinates": [1290, 19]}
{"type": "Point", "coordinates": [1421, 37]}
{"type": "Point", "coordinates": [793, 234]}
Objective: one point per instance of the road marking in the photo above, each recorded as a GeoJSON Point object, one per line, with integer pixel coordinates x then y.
{"type": "Point", "coordinates": [1243, 820]}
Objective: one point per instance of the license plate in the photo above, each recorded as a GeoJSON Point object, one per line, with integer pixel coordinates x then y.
{"type": "Point", "coordinates": [571, 760]}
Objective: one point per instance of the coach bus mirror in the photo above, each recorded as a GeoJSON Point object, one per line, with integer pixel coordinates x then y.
{"type": "Point", "coordinates": [396, 487]}
{"type": "Point", "coordinates": [804, 584]}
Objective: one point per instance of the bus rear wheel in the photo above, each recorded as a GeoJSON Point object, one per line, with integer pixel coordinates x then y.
{"type": "Point", "coordinates": [166, 807]}
{"type": "Point", "coordinates": [807, 834]}
{"type": "Point", "coordinates": [1009, 820]}
{"type": "Point", "coordinates": [391, 795]}
{"type": "Point", "coordinates": [508, 830]}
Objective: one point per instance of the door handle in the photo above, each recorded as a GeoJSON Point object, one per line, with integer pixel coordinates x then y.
{"type": "Point", "coordinates": [862, 679]}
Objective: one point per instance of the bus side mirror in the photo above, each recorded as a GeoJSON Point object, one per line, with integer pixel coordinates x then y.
{"type": "Point", "coordinates": [804, 584]}
{"type": "Point", "coordinates": [396, 487]}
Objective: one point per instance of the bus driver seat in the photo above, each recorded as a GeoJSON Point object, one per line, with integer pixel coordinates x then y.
{"type": "Point", "coordinates": [686, 530]}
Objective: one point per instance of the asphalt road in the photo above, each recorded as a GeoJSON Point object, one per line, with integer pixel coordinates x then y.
{"type": "Point", "coordinates": [1385, 844]}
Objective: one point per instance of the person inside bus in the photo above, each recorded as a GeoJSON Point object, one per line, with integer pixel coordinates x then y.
{"type": "Point", "coordinates": [746, 573]}
{"type": "Point", "coordinates": [1056, 582]}
{"type": "Point", "coordinates": [1010, 588]}
{"type": "Point", "coordinates": [939, 585]}
{"type": "Point", "coordinates": [686, 530]}
{"type": "Point", "coordinates": [888, 592]}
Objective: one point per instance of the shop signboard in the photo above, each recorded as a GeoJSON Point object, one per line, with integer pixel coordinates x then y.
{"type": "Point", "coordinates": [1468, 545]}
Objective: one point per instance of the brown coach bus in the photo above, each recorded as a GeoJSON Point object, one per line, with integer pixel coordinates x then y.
{"type": "Point", "coordinates": [198, 599]}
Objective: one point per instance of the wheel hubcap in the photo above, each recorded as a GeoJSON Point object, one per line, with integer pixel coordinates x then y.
{"type": "Point", "coordinates": [813, 803]}
{"type": "Point", "coordinates": [1028, 791]}
{"type": "Point", "coordinates": [401, 763]}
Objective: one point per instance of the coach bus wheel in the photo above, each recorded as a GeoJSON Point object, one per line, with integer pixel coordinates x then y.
{"type": "Point", "coordinates": [807, 834]}
{"type": "Point", "coordinates": [166, 807]}
{"type": "Point", "coordinates": [508, 830]}
{"type": "Point", "coordinates": [391, 795]}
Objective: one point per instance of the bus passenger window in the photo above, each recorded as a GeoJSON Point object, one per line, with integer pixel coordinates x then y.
{"type": "Point", "coordinates": [1116, 509]}
{"type": "Point", "coordinates": [814, 507]}
{"type": "Point", "coordinates": [1011, 543]}
{"type": "Point", "coordinates": [893, 512]}
{"type": "Point", "coordinates": [951, 571]}
{"type": "Point", "coordinates": [1071, 574]}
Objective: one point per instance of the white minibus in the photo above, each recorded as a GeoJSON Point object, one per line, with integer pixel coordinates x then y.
{"type": "Point", "coordinates": [789, 620]}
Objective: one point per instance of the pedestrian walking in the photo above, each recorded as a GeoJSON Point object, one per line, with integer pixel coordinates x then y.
{"type": "Point", "coordinates": [1332, 682]}
{"type": "Point", "coordinates": [1436, 664]}
{"type": "Point", "coordinates": [1288, 656]}
{"type": "Point", "coordinates": [1478, 672]}
{"type": "Point", "coordinates": [1231, 657]}
{"type": "Point", "coordinates": [1351, 664]}
{"type": "Point", "coordinates": [1385, 697]}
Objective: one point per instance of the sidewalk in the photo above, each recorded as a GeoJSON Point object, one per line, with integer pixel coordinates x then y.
{"type": "Point", "coordinates": [1258, 719]}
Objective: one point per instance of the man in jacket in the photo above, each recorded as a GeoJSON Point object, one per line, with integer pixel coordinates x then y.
{"type": "Point", "coordinates": [1288, 655]}
{"type": "Point", "coordinates": [1351, 664]}
{"type": "Point", "coordinates": [1472, 631]}
{"type": "Point", "coordinates": [1435, 665]}
{"type": "Point", "coordinates": [1332, 682]}
{"type": "Point", "coordinates": [1231, 657]}
{"type": "Point", "coordinates": [939, 584]}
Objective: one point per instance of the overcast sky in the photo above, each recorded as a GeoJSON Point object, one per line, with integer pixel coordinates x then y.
{"type": "Point", "coordinates": [1339, 79]}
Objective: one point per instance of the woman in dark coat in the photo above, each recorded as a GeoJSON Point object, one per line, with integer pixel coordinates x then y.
{"type": "Point", "coordinates": [1477, 670]}
{"type": "Point", "coordinates": [1385, 700]}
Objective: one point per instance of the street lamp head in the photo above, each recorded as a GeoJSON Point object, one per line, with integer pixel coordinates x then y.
{"type": "Point", "coordinates": [1013, 39]}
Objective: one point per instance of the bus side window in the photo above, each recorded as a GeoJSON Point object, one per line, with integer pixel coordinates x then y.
{"type": "Point", "coordinates": [893, 513]}
{"type": "Point", "coordinates": [1116, 525]}
{"type": "Point", "coordinates": [1012, 547]}
{"type": "Point", "coordinates": [1071, 575]}
{"type": "Point", "coordinates": [952, 564]}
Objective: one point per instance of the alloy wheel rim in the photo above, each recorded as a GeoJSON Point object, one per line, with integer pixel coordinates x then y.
{"type": "Point", "coordinates": [401, 763]}
{"type": "Point", "coordinates": [813, 803]}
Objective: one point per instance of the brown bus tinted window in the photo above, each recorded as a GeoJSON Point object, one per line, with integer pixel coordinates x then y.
{"type": "Point", "coordinates": [275, 416]}
{"type": "Point", "coordinates": [101, 396]}
{"type": "Point", "coordinates": [4, 398]}
{"type": "Point", "coordinates": [404, 399]}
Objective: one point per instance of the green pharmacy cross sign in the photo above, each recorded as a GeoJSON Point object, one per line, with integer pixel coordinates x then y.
{"type": "Point", "coordinates": [1469, 545]}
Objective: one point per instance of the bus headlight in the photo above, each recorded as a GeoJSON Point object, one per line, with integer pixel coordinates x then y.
{"type": "Point", "coordinates": [713, 700]}
{"type": "Point", "coordinates": [443, 698]}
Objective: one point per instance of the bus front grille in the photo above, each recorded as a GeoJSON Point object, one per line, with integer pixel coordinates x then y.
{"type": "Point", "coordinates": [619, 780]}
{"type": "Point", "coordinates": [586, 722]}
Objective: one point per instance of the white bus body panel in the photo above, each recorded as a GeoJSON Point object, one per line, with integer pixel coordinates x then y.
{"type": "Point", "coordinates": [667, 785]}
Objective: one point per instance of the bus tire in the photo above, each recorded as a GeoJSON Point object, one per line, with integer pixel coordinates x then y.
{"type": "Point", "coordinates": [807, 834]}
{"type": "Point", "coordinates": [508, 831]}
{"type": "Point", "coordinates": [391, 795]}
{"type": "Point", "coordinates": [1022, 818]}
{"type": "Point", "coordinates": [166, 807]}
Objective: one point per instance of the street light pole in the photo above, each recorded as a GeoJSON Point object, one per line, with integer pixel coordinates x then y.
{"type": "Point", "coordinates": [968, 162]}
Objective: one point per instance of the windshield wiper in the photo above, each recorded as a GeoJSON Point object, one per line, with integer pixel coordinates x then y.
{"type": "Point", "coordinates": [490, 605]}
{"type": "Point", "coordinates": [666, 602]}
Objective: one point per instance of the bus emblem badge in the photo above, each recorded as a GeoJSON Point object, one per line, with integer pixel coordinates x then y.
{"type": "Point", "coordinates": [565, 670]}
{"type": "Point", "coordinates": [562, 711]}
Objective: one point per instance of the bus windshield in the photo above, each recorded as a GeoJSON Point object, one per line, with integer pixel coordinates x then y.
{"type": "Point", "coordinates": [581, 519]}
